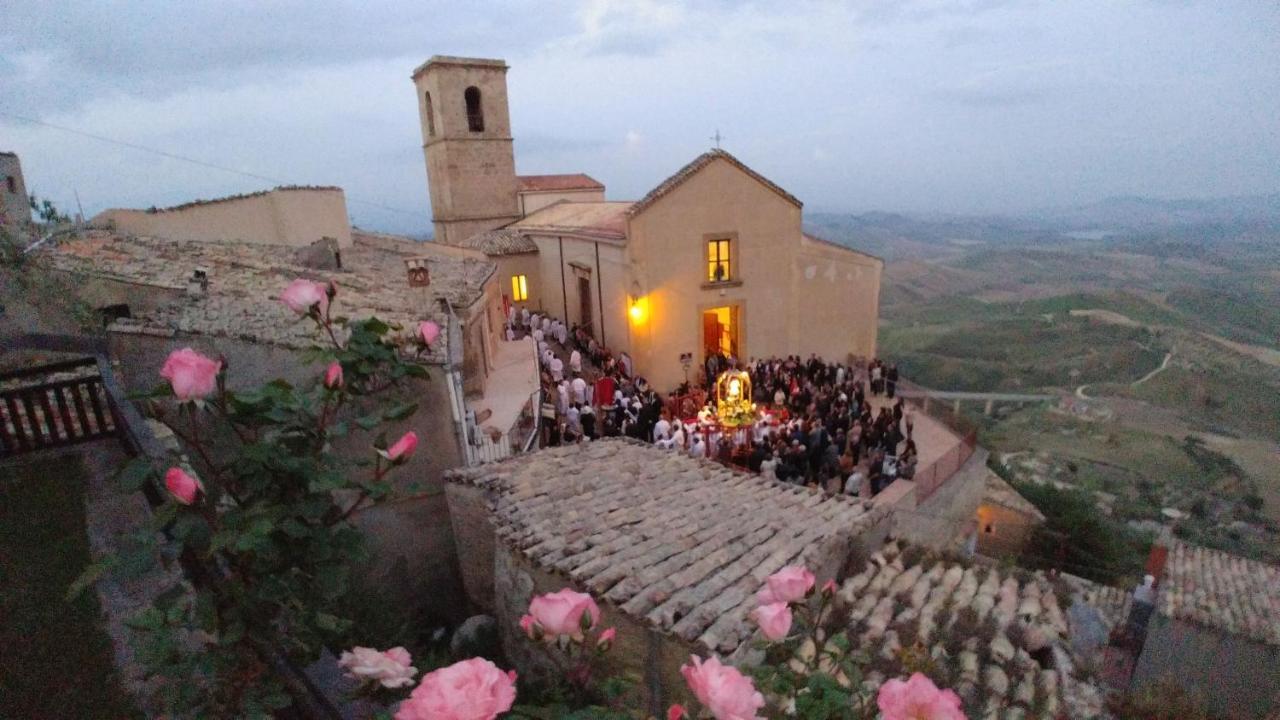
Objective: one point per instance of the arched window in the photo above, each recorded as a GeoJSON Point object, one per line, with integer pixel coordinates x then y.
{"type": "Point", "coordinates": [431, 117]}
{"type": "Point", "coordinates": [475, 113]}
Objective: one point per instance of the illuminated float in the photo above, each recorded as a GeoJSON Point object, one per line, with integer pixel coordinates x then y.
{"type": "Point", "coordinates": [734, 408]}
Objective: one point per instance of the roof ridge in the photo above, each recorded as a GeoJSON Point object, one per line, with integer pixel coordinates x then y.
{"type": "Point", "coordinates": [689, 170]}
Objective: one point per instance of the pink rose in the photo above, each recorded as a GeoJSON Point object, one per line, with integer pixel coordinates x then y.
{"type": "Point", "coordinates": [191, 374]}
{"type": "Point", "coordinates": [182, 486]}
{"type": "Point", "coordinates": [605, 641]}
{"type": "Point", "coordinates": [829, 588]}
{"type": "Point", "coordinates": [403, 448]}
{"type": "Point", "coordinates": [918, 699]}
{"type": "Point", "coordinates": [774, 620]}
{"type": "Point", "coordinates": [529, 626]}
{"type": "Point", "coordinates": [302, 295]}
{"type": "Point", "coordinates": [333, 376]}
{"type": "Point", "coordinates": [562, 613]}
{"type": "Point", "coordinates": [429, 331]}
{"type": "Point", "coordinates": [727, 693]}
{"type": "Point", "coordinates": [391, 669]}
{"type": "Point", "coordinates": [473, 689]}
{"type": "Point", "coordinates": [788, 585]}
{"type": "Point", "coordinates": [675, 712]}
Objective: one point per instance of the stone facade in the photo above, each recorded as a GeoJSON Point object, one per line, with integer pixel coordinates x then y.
{"type": "Point", "coordinates": [16, 206]}
{"type": "Point", "coordinates": [294, 216]}
{"type": "Point", "coordinates": [466, 140]}
{"type": "Point", "coordinates": [941, 520]}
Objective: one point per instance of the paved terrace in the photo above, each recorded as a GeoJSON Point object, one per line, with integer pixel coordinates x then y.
{"type": "Point", "coordinates": [245, 281]}
{"type": "Point", "coordinates": [678, 543]}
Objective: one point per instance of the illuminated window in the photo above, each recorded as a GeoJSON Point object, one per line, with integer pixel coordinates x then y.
{"type": "Point", "coordinates": [718, 266]}
{"type": "Point", "coordinates": [519, 288]}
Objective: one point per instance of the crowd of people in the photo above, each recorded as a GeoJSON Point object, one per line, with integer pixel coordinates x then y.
{"type": "Point", "coordinates": [818, 424]}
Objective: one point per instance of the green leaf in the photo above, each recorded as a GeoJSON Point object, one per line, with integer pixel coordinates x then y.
{"type": "Point", "coordinates": [400, 412]}
{"type": "Point", "coordinates": [89, 576]}
{"type": "Point", "coordinates": [369, 422]}
{"type": "Point", "coordinates": [418, 371]}
{"type": "Point", "coordinates": [135, 473]}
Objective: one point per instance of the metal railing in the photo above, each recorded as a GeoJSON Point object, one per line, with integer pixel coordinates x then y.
{"type": "Point", "coordinates": [113, 410]}
{"type": "Point", "coordinates": [39, 410]}
{"type": "Point", "coordinates": [934, 475]}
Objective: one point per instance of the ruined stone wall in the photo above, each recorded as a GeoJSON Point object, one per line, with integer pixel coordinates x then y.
{"type": "Point", "coordinates": [16, 206]}
{"type": "Point", "coordinates": [285, 216]}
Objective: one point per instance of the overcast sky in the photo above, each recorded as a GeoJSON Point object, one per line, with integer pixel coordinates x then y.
{"type": "Point", "coordinates": [973, 106]}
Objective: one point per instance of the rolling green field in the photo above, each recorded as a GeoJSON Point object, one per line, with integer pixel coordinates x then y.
{"type": "Point", "coordinates": [1196, 432]}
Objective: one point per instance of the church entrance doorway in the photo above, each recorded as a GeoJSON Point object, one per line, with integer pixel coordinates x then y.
{"type": "Point", "coordinates": [720, 331]}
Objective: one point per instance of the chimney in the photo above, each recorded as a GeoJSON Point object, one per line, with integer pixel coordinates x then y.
{"type": "Point", "coordinates": [198, 283]}
{"type": "Point", "coordinates": [419, 275]}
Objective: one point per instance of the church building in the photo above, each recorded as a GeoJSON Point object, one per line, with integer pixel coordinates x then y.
{"type": "Point", "coordinates": [714, 258]}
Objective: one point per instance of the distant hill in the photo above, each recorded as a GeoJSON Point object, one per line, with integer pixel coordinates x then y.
{"type": "Point", "coordinates": [895, 236]}
{"type": "Point", "coordinates": [1147, 213]}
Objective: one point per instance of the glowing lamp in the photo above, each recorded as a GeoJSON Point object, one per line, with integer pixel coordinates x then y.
{"type": "Point", "coordinates": [637, 310]}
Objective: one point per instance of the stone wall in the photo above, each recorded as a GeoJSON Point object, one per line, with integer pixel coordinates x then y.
{"type": "Point", "coordinates": [285, 216]}
{"type": "Point", "coordinates": [410, 539]}
{"type": "Point", "coordinates": [473, 531]}
{"type": "Point", "coordinates": [15, 205]}
{"type": "Point", "coordinates": [940, 520]}
{"type": "Point", "coordinates": [650, 659]}
{"type": "Point", "coordinates": [1236, 677]}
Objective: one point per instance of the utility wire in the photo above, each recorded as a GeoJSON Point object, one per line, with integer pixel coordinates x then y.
{"type": "Point", "coordinates": [193, 161]}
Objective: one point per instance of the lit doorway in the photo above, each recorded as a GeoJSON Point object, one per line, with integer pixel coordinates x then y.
{"type": "Point", "coordinates": [720, 331]}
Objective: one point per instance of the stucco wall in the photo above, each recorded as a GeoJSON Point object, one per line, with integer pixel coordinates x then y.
{"type": "Point", "coordinates": [1009, 530]}
{"type": "Point", "coordinates": [533, 201]}
{"type": "Point", "coordinates": [410, 539]}
{"type": "Point", "coordinates": [608, 282]}
{"type": "Point", "coordinates": [837, 301]}
{"type": "Point", "coordinates": [284, 216]}
{"type": "Point", "coordinates": [527, 264]}
{"type": "Point", "coordinates": [795, 296]}
{"type": "Point", "coordinates": [940, 520]}
{"type": "Point", "coordinates": [1236, 677]}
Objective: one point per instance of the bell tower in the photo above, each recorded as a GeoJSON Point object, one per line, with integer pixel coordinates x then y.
{"type": "Point", "coordinates": [466, 137]}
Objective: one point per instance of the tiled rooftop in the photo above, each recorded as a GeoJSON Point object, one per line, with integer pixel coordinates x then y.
{"type": "Point", "coordinates": [552, 183]}
{"type": "Point", "coordinates": [679, 543]}
{"type": "Point", "coordinates": [1223, 591]}
{"type": "Point", "coordinates": [605, 219]}
{"type": "Point", "coordinates": [245, 281]}
{"type": "Point", "coordinates": [503, 241]}
{"type": "Point", "coordinates": [903, 596]}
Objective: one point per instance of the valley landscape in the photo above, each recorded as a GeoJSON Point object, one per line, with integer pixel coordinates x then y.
{"type": "Point", "coordinates": [1157, 323]}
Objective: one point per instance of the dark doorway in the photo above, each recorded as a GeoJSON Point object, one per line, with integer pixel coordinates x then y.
{"type": "Point", "coordinates": [584, 304]}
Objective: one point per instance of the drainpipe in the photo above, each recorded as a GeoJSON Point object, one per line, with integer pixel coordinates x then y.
{"type": "Point", "coordinates": [600, 294]}
{"type": "Point", "coordinates": [564, 293]}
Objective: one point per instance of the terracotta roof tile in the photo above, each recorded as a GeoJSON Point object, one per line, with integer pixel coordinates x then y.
{"type": "Point", "coordinates": [503, 241]}
{"type": "Point", "coordinates": [678, 543]}
{"type": "Point", "coordinates": [1219, 590]}
{"type": "Point", "coordinates": [603, 219]}
{"type": "Point", "coordinates": [550, 183]}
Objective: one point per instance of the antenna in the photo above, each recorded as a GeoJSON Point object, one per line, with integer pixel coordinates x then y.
{"type": "Point", "coordinates": [717, 138]}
